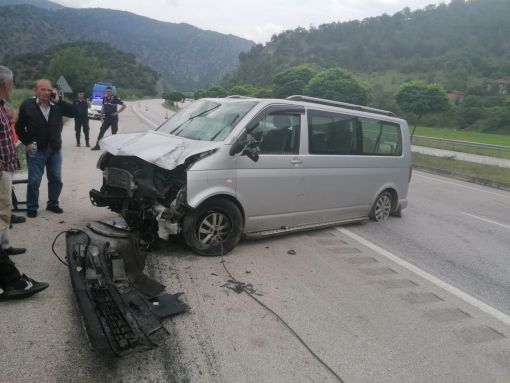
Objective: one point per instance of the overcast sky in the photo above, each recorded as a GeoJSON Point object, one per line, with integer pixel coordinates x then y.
{"type": "Point", "coordinates": [255, 20]}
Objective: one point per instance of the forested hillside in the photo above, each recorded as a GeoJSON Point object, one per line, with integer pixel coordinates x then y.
{"type": "Point", "coordinates": [186, 57]}
{"type": "Point", "coordinates": [460, 44]}
{"type": "Point", "coordinates": [83, 64]}
{"type": "Point", "coordinates": [462, 47]}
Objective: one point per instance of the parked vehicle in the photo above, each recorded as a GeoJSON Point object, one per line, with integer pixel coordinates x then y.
{"type": "Point", "coordinates": [99, 89]}
{"type": "Point", "coordinates": [95, 109]}
{"type": "Point", "coordinates": [221, 169]}
{"type": "Point", "coordinates": [98, 92]}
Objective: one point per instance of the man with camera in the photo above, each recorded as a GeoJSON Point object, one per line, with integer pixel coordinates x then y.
{"type": "Point", "coordinates": [39, 127]}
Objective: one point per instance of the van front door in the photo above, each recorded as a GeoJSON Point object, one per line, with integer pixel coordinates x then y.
{"type": "Point", "coordinates": [269, 189]}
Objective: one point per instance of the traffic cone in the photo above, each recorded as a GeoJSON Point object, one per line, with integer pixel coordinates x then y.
{"type": "Point", "coordinates": [166, 115]}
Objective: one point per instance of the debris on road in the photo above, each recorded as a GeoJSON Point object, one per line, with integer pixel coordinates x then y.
{"type": "Point", "coordinates": [121, 307]}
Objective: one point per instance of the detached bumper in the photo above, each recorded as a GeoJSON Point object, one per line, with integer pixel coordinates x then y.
{"type": "Point", "coordinates": [121, 307]}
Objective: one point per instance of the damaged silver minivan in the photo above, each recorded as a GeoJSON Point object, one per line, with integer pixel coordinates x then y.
{"type": "Point", "coordinates": [223, 168]}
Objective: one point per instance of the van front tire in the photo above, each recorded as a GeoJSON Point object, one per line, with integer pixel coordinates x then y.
{"type": "Point", "coordinates": [382, 207]}
{"type": "Point", "coordinates": [214, 228]}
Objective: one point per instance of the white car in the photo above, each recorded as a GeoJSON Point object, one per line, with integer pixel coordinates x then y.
{"type": "Point", "coordinates": [94, 114]}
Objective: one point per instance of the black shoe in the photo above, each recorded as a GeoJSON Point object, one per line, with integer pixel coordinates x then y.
{"type": "Point", "coordinates": [17, 218]}
{"type": "Point", "coordinates": [96, 147]}
{"type": "Point", "coordinates": [55, 209]}
{"type": "Point", "coordinates": [15, 250]}
{"type": "Point", "coordinates": [78, 144]}
{"type": "Point", "coordinates": [22, 288]}
{"type": "Point", "coordinates": [87, 145]}
{"type": "Point", "coordinates": [32, 213]}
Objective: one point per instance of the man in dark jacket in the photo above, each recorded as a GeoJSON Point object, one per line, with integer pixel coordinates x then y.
{"type": "Point", "coordinates": [82, 117]}
{"type": "Point", "coordinates": [39, 127]}
{"type": "Point", "coordinates": [110, 114]}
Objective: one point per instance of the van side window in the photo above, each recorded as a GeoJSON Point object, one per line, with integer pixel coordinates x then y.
{"type": "Point", "coordinates": [278, 134]}
{"type": "Point", "coordinates": [332, 133]}
{"type": "Point", "coordinates": [381, 138]}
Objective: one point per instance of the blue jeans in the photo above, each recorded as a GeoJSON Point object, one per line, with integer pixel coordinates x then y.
{"type": "Point", "coordinates": [52, 160]}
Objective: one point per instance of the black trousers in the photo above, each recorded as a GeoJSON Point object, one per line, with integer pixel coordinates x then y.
{"type": "Point", "coordinates": [8, 271]}
{"type": "Point", "coordinates": [80, 122]}
{"type": "Point", "coordinates": [107, 123]}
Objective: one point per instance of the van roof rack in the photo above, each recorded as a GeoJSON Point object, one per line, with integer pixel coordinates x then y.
{"type": "Point", "coordinates": [323, 101]}
{"type": "Point", "coordinates": [238, 96]}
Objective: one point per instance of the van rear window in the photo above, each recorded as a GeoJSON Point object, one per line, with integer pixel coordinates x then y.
{"type": "Point", "coordinates": [381, 138]}
{"type": "Point", "coordinates": [341, 134]}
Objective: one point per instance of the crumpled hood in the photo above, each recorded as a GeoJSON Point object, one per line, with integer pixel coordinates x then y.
{"type": "Point", "coordinates": [160, 149]}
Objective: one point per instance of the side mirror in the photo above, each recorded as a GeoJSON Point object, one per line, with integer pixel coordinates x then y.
{"type": "Point", "coordinates": [252, 153]}
{"type": "Point", "coordinates": [246, 145]}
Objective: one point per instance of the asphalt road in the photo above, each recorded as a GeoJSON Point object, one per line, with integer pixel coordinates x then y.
{"type": "Point", "coordinates": [458, 231]}
{"type": "Point", "coordinates": [486, 160]}
{"type": "Point", "coordinates": [381, 311]}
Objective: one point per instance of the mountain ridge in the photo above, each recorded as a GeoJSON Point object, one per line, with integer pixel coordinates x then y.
{"type": "Point", "coordinates": [187, 57]}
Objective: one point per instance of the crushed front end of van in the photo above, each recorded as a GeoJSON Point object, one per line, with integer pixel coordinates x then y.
{"type": "Point", "coordinates": [144, 180]}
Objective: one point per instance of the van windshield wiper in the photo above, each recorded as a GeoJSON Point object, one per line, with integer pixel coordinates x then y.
{"type": "Point", "coordinates": [231, 123]}
{"type": "Point", "coordinates": [174, 132]}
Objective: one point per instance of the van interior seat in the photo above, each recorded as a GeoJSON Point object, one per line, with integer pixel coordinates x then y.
{"type": "Point", "coordinates": [278, 140]}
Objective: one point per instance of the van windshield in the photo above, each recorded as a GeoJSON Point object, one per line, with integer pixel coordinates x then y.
{"type": "Point", "coordinates": [207, 120]}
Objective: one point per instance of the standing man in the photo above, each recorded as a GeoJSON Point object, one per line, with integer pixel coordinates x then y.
{"type": "Point", "coordinates": [39, 127]}
{"type": "Point", "coordinates": [82, 117]}
{"type": "Point", "coordinates": [110, 114]}
{"type": "Point", "coordinates": [13, 285]}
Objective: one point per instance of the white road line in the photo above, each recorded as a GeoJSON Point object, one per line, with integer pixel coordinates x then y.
{"type": "Point", "coordinates": [461, 185]}
{"type": "Point", "coordinates": [436, 281]}
{"type": "Point", "coordinates": [486, 220]}
{"type": "Point", "coordinates": [137, 105]}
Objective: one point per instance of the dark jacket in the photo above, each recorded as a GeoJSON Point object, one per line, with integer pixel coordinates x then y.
{"type": "Point", "coordinates": [33, 127]}
{"type": "Point", "coordinates": [82, 109]}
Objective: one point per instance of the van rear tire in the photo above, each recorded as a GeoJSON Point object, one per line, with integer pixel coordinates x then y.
{"type": "Point", "coordinates": [382, 207]}
{"type": "Point", "coordinates": [214, 228]}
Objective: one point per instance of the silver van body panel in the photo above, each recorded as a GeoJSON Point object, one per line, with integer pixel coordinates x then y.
{"type": "Point", "coordinates": [279, 192]}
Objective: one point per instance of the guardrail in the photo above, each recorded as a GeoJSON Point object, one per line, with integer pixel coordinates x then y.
{"type": "Point", "coordinates": [463, 146]}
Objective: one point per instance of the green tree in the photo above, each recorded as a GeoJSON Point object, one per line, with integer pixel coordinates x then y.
{"type": "Point", "coordinates": [292, 81]}
{"type": "Point", "coordinates": [173, 96]}
{"type": "Point", "coordinates": [419, 98]}
{"type": "Point", "coordinates": [78, 69]}
{"type": "Point", "coordinates": [199, 94]}
{"type": "Point", "coordinates": [263, 93]}
{"type": "Point", "coordinates": [242, 90]}
{"type": "Point", "coordinates": [216, 91]}
{"type": "Point", "coordinates": [339, 84]}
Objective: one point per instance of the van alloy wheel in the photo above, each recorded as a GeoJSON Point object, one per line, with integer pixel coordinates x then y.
{"type": "Point", "coordinates": [214, 228]}
{"type": "Point", "coordinates": [382, 207]}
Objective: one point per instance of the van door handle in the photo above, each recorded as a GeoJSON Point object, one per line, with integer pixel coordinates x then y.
{"type": "Point", "coordinates": [296, 161]}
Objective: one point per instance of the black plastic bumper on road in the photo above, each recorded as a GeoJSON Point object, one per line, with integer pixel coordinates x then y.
{"type": "Point", "coordinates": [121, 308]}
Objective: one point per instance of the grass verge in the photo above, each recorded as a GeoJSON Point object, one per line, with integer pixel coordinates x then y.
{"type": "Point", "coordinates": [460, 135]}
{"type": "Point", "coordinates": [493, 176]}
